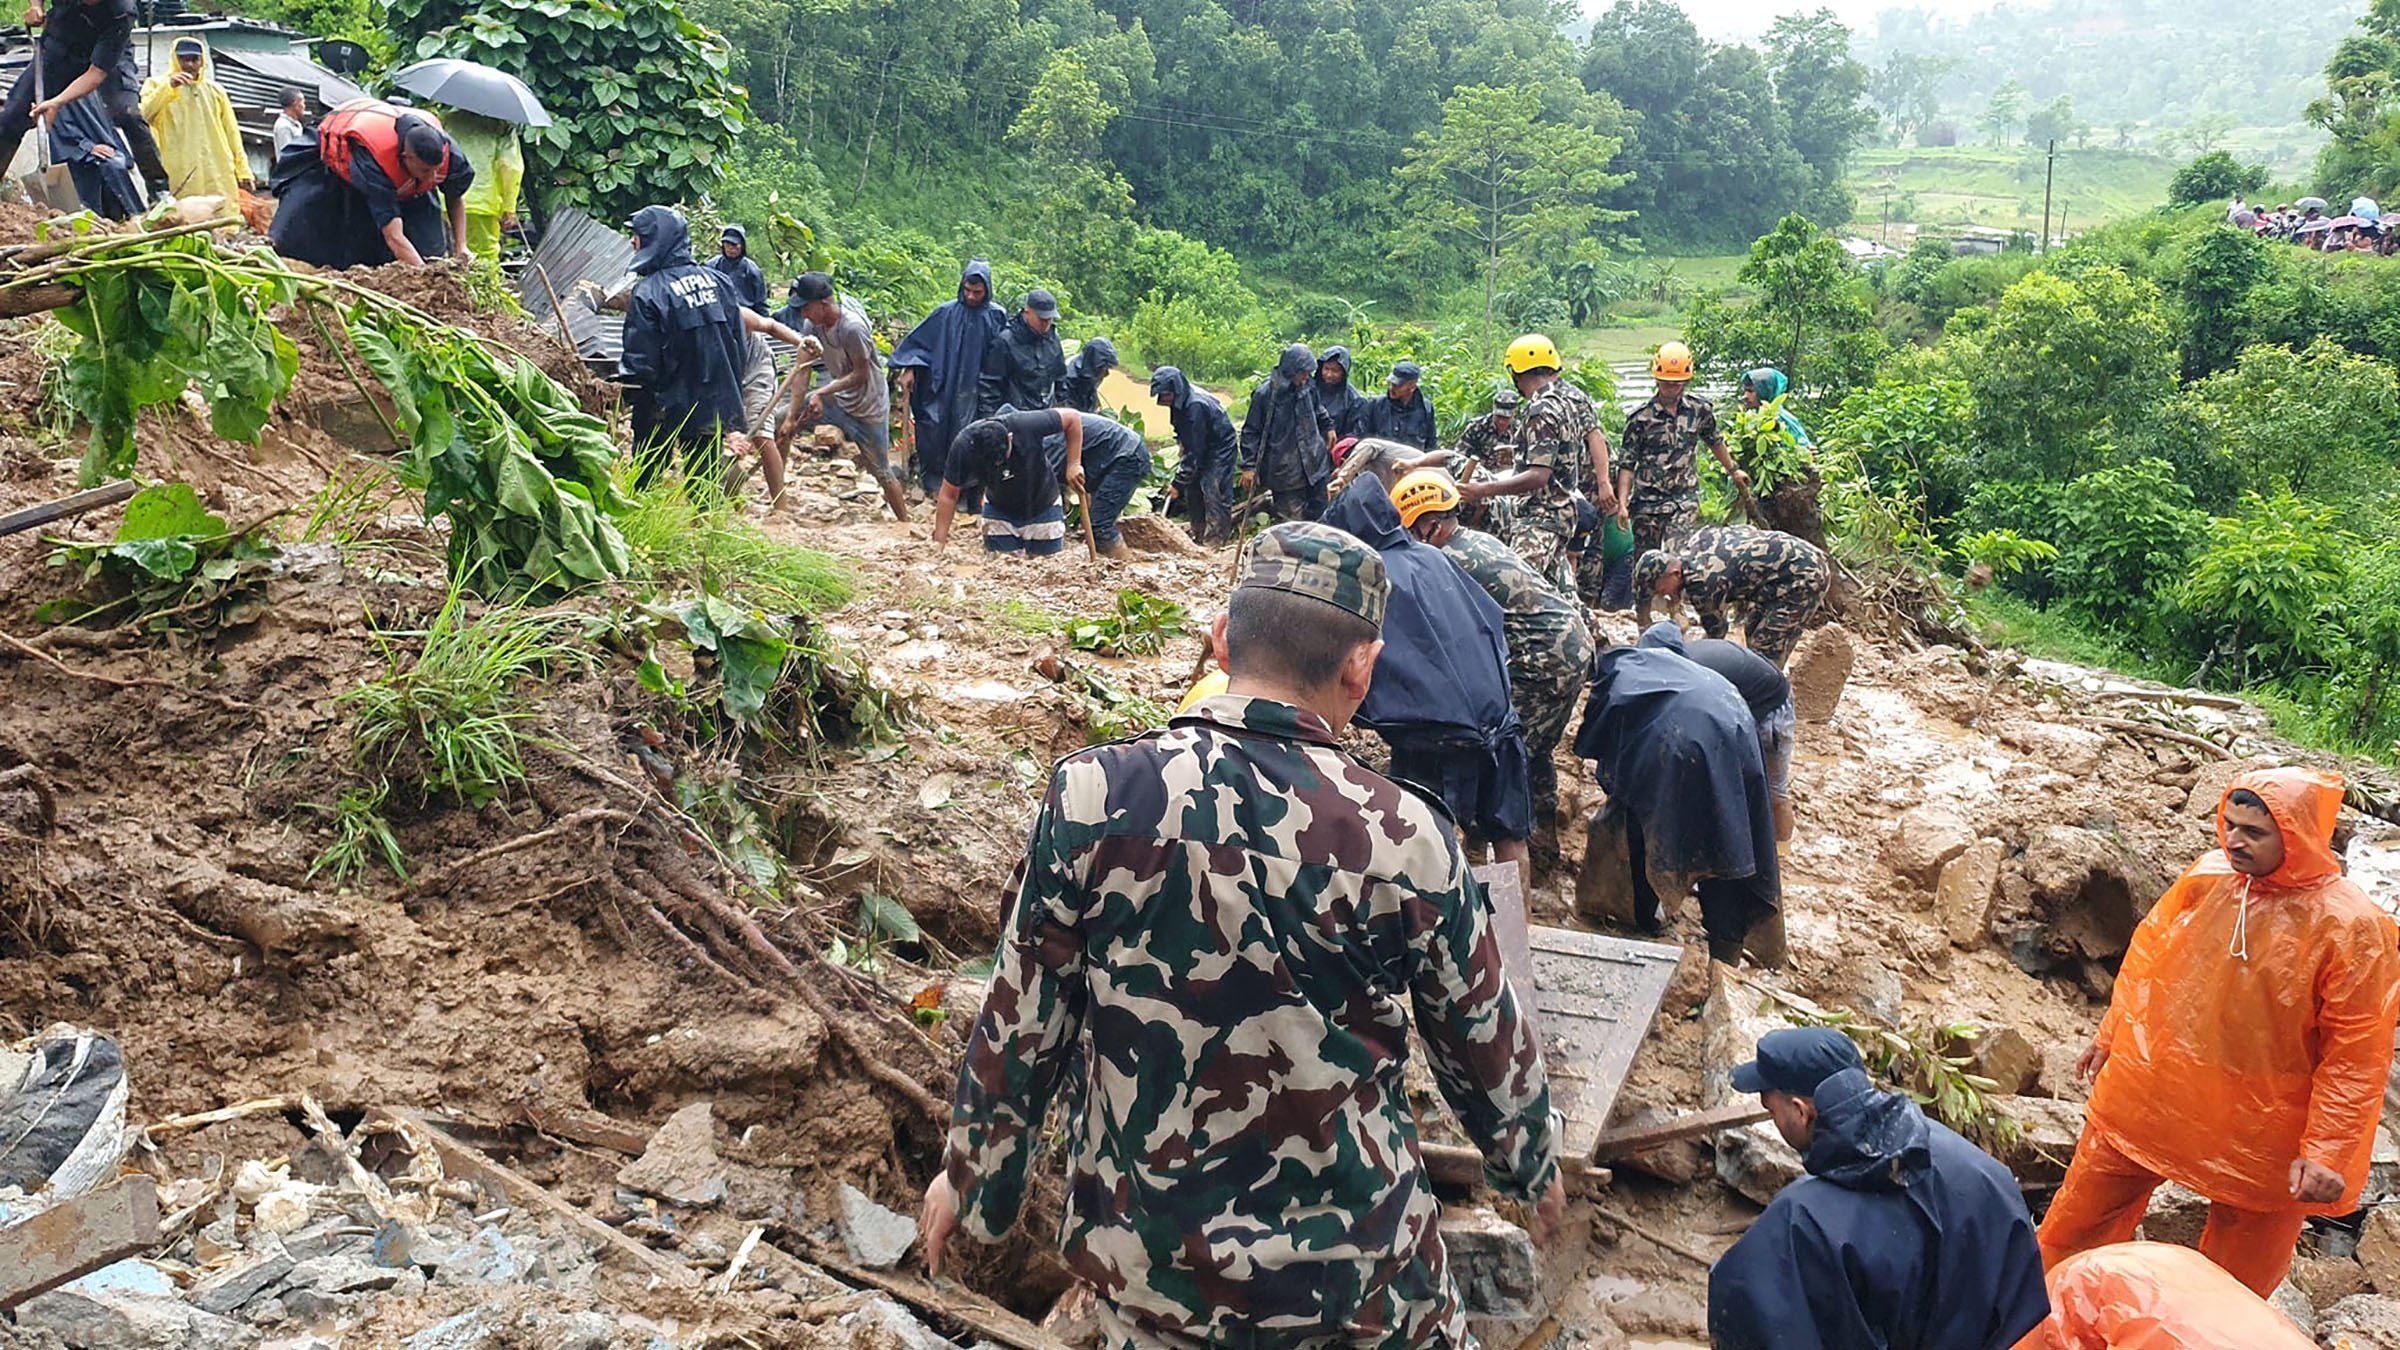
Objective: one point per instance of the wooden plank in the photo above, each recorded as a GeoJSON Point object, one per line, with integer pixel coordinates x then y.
{"type": "Point", "coordinates": [1642, 1138]}
{"type": "Point", "coordinates": [462, 1160]}
{"type": "Point", "coordinates": [108, 494]}
{"type": "Point", "coordinates": [1457, 1165]}
{"type": "Point", "coordinates": [72, 1239]}
{"type": "Point", "coordinates": [946, 1301]}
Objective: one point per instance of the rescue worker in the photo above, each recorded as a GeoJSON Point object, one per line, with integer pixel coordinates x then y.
{"type": "Point", "coordinates": [2247, 1042]}
{"type": "Point", "coordinates": [1559, 448]}
{"type": "Point", "coordinates": [198, 141]}
{"type": "Point", "coordinates": [362, 193]}
{"type": "Point", "coordinates": [1003, 462]}
{"type": "Point", "coordinates": [854, 396]}
{"type": "Point", "coordinates": [1441, 696]}
{"type": "Point", "coordinates": [1549, 648]}
{"type": "Point", "coordinates": [1490, 440]}
{"type": "Point", "coordinates": [1079, 387]}
{"type": "Point", "coordinates": [1903, 1236]}
{"type": "Point", "coordinates": [491, 145]}
{"type": "Point", "coordinates": [2156, 1296]}
{"type": "Point", "coordinates": [1677, 753]}
{"type": "Point", "coordinates": [1023, 366]}
{"type": "Point", "coordinates": [1287, 439]}
{"type": "Point", "coordinates": [85, 47]}
{"type": "Point", "coordinates": [939, 366]}
{"type": "Point", "coordinates": [1766, 691]}
{"type": "Point", "coordinates": [1341, 402]}
{"type": "Point", "coordinates": [683, 350]}
{"type": "Point", "coordinates": [1658, 478]}
{"type": "Point", "coordinates": [1777, 578]}
{"type": "Point", "coordinates": [1115, 461]}
{"type": "Point", "coordinates": [1246, 1170]}
{"type": "Point", "coordinates": [734, 263]}
{"type": "Point", "coordinates": [1209, 449]}
{"type": "Point", "coordinates": [1402, 414]}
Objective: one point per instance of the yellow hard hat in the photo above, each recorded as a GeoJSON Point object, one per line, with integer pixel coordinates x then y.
{"type": "Point", "coordinates": [1424, 490]}
{"type": "Point", "coordinates": [1532, 352]}
{"type": "Point", "coordinates": [1673, 362]}
{"type": "Point", "coordinates": [1210, 685]}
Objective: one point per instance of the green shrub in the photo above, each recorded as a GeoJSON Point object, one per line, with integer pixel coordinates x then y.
{"type": "Point", "coordinates": [2266, 582]}
{"type": "Point", "coordinates": [1202, 343]}
{"type": "Point", "coordinates": [2214, 177]}
{"type": "Point", "coordinates": [2124, 536]}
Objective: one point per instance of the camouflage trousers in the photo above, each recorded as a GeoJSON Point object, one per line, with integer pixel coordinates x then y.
{"type": "Point", "coordinates": [1773, 620]}
{"type": "Point", "coordinates": [1547, 690]}
{"type": "Point", "coordinates": [1664, 522]}
{"type": "Point", "coordinates": [1424, 1326]}
{"type": "Point", "coordinates": [1538, 530]}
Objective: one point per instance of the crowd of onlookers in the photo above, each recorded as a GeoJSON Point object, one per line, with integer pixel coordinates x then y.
{"type": "Point", "coordinates": [2308, 224]}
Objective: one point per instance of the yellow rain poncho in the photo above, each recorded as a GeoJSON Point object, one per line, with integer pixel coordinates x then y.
{"type": "Point", "coordinates": [491, 146]}
{"type": "Point", "coordinates": [198, 140]}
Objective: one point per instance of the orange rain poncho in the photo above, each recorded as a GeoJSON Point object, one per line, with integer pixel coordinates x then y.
{"type": "Point", "coordinates": [2252, 1020]}
{"type": "Point", "coordinates": [2152, 1296]}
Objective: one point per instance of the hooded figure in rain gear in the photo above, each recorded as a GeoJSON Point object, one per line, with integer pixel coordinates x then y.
{"type": "Point", "coordinates": [1345, 405]}
{"type": "Point", "coordinates": [97, 159]}
{"type": "Point", "coordinates": [1079, 388]}
{"type": "Point", "coordinates": [492, 146]}
{"type": "Point", "coordinates": [198, 140]}
{"type": "Point", "coordinates": [684, 348]}
{"type": "Point", "coordinates": [361, 194]}
{"type": "Point", "coordinates": [1208, 445]}
{"type": "Point", "coordinates": [1021, 369]}
{"type": "Point", "coordinates": [2247, 1041]}
{"type": "Point", "coordinates": [1440, 697]}
{"type": "Point", "coordinates": [940, 364]}
{"type": "Point", "coordinates": [1902, 1236]}
{"type": "Point", "coordinates": [1287, 438]}
{"type": "Point", "coordinates": [733, 262]}
{"type": "Point", "coordinates": [1678, 754]}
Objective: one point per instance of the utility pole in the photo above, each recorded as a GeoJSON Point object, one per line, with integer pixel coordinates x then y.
{"type": "Point", "coordinates": [1887, 215]}
{"type": "Point", "coordinates": [2049, 166]}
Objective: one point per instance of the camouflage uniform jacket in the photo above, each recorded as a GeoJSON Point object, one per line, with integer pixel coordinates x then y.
{"type": "Point", "coordinates": [1235, 918]}
{"type": "Point", "coordinates": [1662, 450]}
{"type": "Point", "coordinates": [1483, 441]}
{"type": "Point", "coordinates": [1724, 563]}
{"type": "Point", "coordinates": [1545, 629]}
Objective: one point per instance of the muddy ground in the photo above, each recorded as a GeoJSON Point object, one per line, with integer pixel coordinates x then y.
{"type": "Point", "coordinates": [513, 982]}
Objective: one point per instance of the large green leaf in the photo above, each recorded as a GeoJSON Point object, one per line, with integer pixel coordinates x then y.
{"type": "Point", "coordinates": [165, 511]}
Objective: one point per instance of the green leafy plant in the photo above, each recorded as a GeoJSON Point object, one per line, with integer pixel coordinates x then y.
{"type": "Point", "coordinates": [1913, 1061]}
{"type": "Point", "coordinates": [1138, 625]}
{"type": "Point", "coordinates": [681, 530]}
{"type": "Point", "coordinates": [361, 836]}
{"type": "Point", "coordinates": [1764, 446]}
{"type": "Point", "coordinates": [2004, 553]}
{"type": "Point", "coordinates": [454, 719]}
{"type": "Point", "coordinates": [743, 648]}
{"type": "Point", "coordinates": [2267, 579]}
{"type": "Point", "coordinates": [172, 563]}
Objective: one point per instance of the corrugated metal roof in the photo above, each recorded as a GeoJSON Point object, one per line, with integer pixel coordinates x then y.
{"type": "Point", "coordinates": [576, 248]}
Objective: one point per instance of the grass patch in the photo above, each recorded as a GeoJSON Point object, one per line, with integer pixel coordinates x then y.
{"type": "Point", "coordinates": [453, 720]}
{"type": "Point", "coordinates": [683, 531]}
{"type": "Point", "coordinates": [2002, 188]}
{"type": "Point", "coordinates": [1032, 620]}
{"type": "Point", "coordinates": [361, 836]}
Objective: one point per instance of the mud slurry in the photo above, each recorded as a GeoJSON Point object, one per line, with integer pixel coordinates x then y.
{"type": "Point", "coordinates": [164, 894]}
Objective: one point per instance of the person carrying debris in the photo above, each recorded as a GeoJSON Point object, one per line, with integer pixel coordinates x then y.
{"type": "Point", "coordinates": [1402, 414]}
{"type": "Point", "coordinates": [854, 397]}
{"type": "Point", "coordinates": [2156, 1296]}
{"type": "Point", "coordinates": [1902, 1236]}
{"type": "Point", "coordinates": [1768, 693]}
{"type": "Point", "coordinates": [939, 365]}
{"type": "Point", "coordinates": [683, 350]}
{"type": "Point", "coordinates": [84, 47]}
{"type": "Point", "coordinates": [1678, 755]}
{"type": "Point", "coordinates": [1219, 1194]}
{"type": "Point", "coordinates": [1442, 696]}
{"type": "Point", "coordinates": [1658, 479]}
{"type": "Point", "coordinates": [1763, 386]}
{"type": "Point", "coordinates": [1559, 443]}
{"type": "Point", "coordinates": [361, 194]}
{"type": "Point", "coordinates": [1287, 439]}
{"type": "Point", "coordinates": [1777, 578]}
{"type": "Point", "coordinates": [1079, 387]}
{"type": "Point", "coordinates": [1003, 463]}
{"type": "Point", "coordinates": [1023, 366]}
{"type": "Point", "coordinates": [492, 146]}
{"type": "Point", "coordinates": [1341, 402]}
{"type": "Point", "coordinates": [198, 140]}
{"type": "Point", "coordinates": [2247, 1042]}
{"type": "Point", "coordinates": [1549, 648]}
{"type": "Point", "coordinates": [734, 263]}
{"type": "Point", "coordinates": [1208, 447]}
{"type": "Point", "coordinates": [1490, 440]}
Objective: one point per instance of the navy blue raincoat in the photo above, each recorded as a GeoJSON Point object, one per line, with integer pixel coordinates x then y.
{"type": "Point", "coordinates": [1283, 434]}
{"type": "Point", "coordinates": [1079, 387]}
{"type": "Point", "coordinates": [1409, 423]}
{"type": "Point", "coordinates": [1345, 405]}
{"type": "Point", "coordinates": [749, 283]}
{"type": "Point", "coordinates": [684, 345]}
{"type": "Point", "coordinates": [947, 352]}
{"type": "Point", "coordinates": [1208, 445]}
{"type": "Point", "coordinates": [1903, 1236]}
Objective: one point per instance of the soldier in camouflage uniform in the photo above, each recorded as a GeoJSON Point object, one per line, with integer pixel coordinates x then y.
{"type": "Point", "coordinates": [1778, 578]}
{"type": "Point", "coordinates": [1491, 440]}
{"type": "Point", "coordinates": [1559, 445]}
{"type": "Point", "coordinates": [1235, 919]}
{"type": "Point", "coordinates": [1658, 476]}
{"type": "Point", "coordinates": [1549, 648]}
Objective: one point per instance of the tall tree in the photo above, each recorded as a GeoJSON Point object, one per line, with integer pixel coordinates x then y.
{"type": "Point", "coordinates": [2005, 111]}
{"type": "Point", "coordinates": [1823, 91]}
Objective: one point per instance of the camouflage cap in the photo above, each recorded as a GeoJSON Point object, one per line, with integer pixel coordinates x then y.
{"type": "Point", "coordinates": [1322, 563]}
{"type": "Point", "coordinates": [1650, 569]}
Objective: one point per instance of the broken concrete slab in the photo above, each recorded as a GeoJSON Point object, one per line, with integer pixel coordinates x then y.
{"type": "Point", "coordinates": [1964, 894]}
{"type": "Point", "coordinates": [229, 1290]}
{"type": "Point", "coordinates": [2361, 1322]}
{"type": "Point", "coordinates": [681, 1165]}
{"type": "Point", "coordinates": [876, 1237]}
{"type": "Point", "coordinates": [2048, 1130]}
{"type": "Point", "coordinates": [1923, 839]}
{"type": "Point", "coordinates": [1492, 1264]}
{"type": "Point", "coordinates": [77, 1237]}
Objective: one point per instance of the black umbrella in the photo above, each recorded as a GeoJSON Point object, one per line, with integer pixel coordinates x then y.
{"type": "Point", "coordinates": [472, 87]}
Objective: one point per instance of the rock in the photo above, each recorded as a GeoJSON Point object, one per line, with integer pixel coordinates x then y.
{"type": "Point", "coordinates": [681, 1164]}
{"type": "Point", "coordinates": [1756, 1163]}
{"type": "Point", "coordinates": [876, 1237]}
{"type": "Point", "coordinates": [1879, 993]}
{"type": "Point", "coordinates": [1661, 1312]}
{"type": "Point", "coordinates": [590, 1330]}
{"type": "Point", "coordinates": [2327, 1280]}
{"type": "Point", "coordinates": [2295, 1308]}
{"type": "Point", "coordinates": [229, 1290]}
{"type": "Point", "coordinates": [2379, 1250]}
{"type": "Point", "coordinates": [2072, 751]}
{"type": "Point", "coordinates": [2175, 1215]}
{"type": "Point", "coordinates": [1680, 1162]}
{"type": "Point", "coordinates": [2361, 1322]}
{"type": "Point", "coordinates": [1753, 1160]}
{"type": "Point", "coordinates": [2383, 1164]}
{"type": "Point", "coordinates": [2086, 891]}
{"type": "Point", "coordinates": [2210, 783]}
{"type": "Point", "coordinates": [1924, 838]}
{"type": "Point", "coordinates": [341, 1275]}
{"type": "Point", "coordinates": [1604, 888]}
{"type": "Point", "coordinates": [1492, 1262]}
{"type": "Point", "coordinates": [2048, 1130]}
{"type": "Point", "coordinates": [1820, 669]}
{"type": "Point", "coordinates": [488, 1258]}
{"type": "Point", "coordinates": [130, 1322]}
{"type": "Point", "coordinates": [320, 1305]}
{"type": "Point", "coordinates": [1962, 899]}
{"type": "Point", "coordinates": [881, 1321]}
{"type": "Point", "coordinates": [470, 1330]}
{"type": "Point", "coordinates": [2001, 1054]}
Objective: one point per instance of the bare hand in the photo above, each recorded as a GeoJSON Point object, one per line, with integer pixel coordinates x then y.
{"type": "Point", "coordinates": [2089, 1063]}
{"type": "Point", "coordinates": [2315, 1185]}
{"type": "Point", "coordinates": [44, 112]}
{"type": "Point", "coordinates": [1075, 477]}
{"type": "Point", "coordinates": [1605, 502]}
{"type": "Point", "coordinates": [33, 16]}
{"type": "Point", "coordinates": [466, 257]}
{"type": "Point", "coordinates": [181, 78]}
{"type": "Point", "coordinates": [813, 406]}
{"type": "Point", "coordinates": [905, 379]}
{"type": "Point", "coordinates": [1625, 520]}
{"type": "Point", "coordinates": [509, 222]}
{"type": "Point", "coordinates": [1741, 478]}
{"type": "Point", "coordinates": [1249, 482]}
{"type": "Point", "coordinates": [938, 1220]}
{"type": "Point", "coordinates": [104, 153]}
{"type": "Point", "coordinates": [1550, 1214]}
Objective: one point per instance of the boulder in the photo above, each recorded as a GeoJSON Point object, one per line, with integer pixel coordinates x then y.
{"type": "Point", "coordinates": [2047, 1132]}
{"type": "Point", "coordinates": [2361, 1322]}
{"type": "Point", "coordinates": [1923, 839]}
{"type": "Point", "coordinates": [1879, 993]}
{"type": "Point", "coordinates": [2210, 783]}
{"type": "Point", "coordinates": [1820, 670]}
{"type": "Point", "coordinates": [2175, 1215]}
{"type": "Point", "coordinates": [2379, 1250]}
{"type": "Point", "coordinates": [1753, 1160]}
{"type": "Point", "coordinates": [1604, 888]}
{"type": "Point", "coordinates": [1679, 1163]}
{"type": "Point", "coordinates": [2001, 1054]}
{"type": "Point", "coordinates": [1756, 1163]}
{"type": "Point", "coordinates": [2327, 1280]}
{"type": "Point", "coordinates": [876, 1237]}
{"type": "Point", "coordinates": [681, 1165]}
{"type": "Point", "coordinates": [2295, 1307]}
{"type": "Point", "coordinates": [1962, 899]}
{"type": "Point", "coordinates": [2081, 894]}
{"type": "Point", "coordinates": [113, 1321]}
{"type": "Point", "coordinates": [1492, 1262]}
